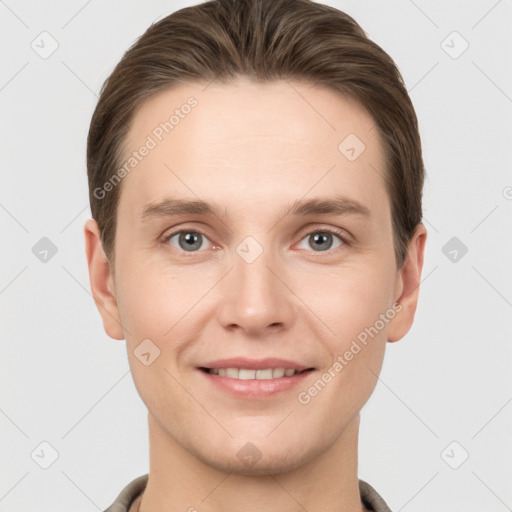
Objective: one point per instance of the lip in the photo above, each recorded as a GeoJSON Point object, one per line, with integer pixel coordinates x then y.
{"type": "Point", "coordinates": [254, 389]}
{"type": "Point", "coordinates": [254, 364]}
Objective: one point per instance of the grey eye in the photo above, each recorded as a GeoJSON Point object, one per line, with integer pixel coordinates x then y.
{"type": "Point", "coordinates": [189, 241]}
{"type": "Point", "coordinates": [321, 240]}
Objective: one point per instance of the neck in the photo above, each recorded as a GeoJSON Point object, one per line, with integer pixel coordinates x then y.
{"type": "Point", "coordinates": [180, 481]}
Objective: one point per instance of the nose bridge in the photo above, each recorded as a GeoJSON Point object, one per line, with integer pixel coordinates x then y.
{"type": "Point", "coordinates": [255, 283]}
{"type": "Point", "coordinates": [256, 298]}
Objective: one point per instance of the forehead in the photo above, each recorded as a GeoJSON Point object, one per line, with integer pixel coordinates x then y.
{"type": "Point", "coordinates": [258, 141]}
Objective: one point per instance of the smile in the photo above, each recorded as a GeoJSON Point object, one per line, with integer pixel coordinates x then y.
{"type": "Point", "coordinates": [251, 374]}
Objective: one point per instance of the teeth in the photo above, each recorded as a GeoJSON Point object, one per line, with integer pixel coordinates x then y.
{"type": "Point", "coordinates": [246, 374]}
{"type": "Point", "coordinates": [232, 373]}
{"type": "Point", "coordinates": [277, 373]}
{"type": "Point", "coordinates": [265, 374]}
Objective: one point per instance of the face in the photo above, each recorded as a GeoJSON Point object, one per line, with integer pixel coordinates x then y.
{"type": "Point", "coordinates": [288, 267]}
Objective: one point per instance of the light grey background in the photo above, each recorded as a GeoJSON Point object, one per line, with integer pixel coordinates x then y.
{"type": "Point", "coordinates": [64, 382]}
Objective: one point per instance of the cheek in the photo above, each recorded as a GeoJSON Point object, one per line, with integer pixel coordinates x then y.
{"type": "Point", "coordinates": [349, 301]}
{"type": "Point", "coordinates": [357, 311]}
{"type": "Point", "coordinates": [144, 306]}
{"type": "Point", "coordinates": [360, 308]}
{"type": "Point", "coordinates": [356, 306]}
{"type": "Point", "coordinates": [161, 304]}
{"type": "Point", "coordinates": [154, 311]}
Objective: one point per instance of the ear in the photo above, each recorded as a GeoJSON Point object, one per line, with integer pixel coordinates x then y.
{"type": "Point", "coordinates": [408, 285]}
{"type": "Point", "coordinates": [102, 281]}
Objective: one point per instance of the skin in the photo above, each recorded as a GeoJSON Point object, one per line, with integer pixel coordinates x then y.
{"type": "Point", "coordinates": [254, 149]}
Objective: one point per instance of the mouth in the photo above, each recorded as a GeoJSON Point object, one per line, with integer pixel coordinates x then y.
{"type": "Point", "coordinates": [254, 379]}
{"type": "Point", "coordinates": [252, 374]}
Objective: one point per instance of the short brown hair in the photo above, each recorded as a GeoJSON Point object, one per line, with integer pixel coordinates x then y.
{"type": "Point", "coordinates": [264, 40]}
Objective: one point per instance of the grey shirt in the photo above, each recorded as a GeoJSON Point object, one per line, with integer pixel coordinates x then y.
{"type": "Point", "coordinates": [369, 496]}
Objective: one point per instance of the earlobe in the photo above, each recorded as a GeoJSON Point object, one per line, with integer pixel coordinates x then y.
{"type": "Point", "coordinates": [102, 281]}
{"type": "Point", "coordinates": [410, 278]}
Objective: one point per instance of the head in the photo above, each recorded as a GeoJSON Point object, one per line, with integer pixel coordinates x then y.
{"type": "Point", "coordinates": [255, 178]}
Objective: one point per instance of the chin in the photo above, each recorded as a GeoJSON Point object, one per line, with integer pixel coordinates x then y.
{"type": "Point", "coordinates": [252, 461]}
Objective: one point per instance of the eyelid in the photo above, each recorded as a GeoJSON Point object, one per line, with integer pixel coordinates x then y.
{"type": "Point", "coordinates": [168, 235]}
{"type": "Point", "coordinates": [344, 236]}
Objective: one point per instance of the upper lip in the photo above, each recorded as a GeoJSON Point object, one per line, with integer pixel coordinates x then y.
{"type": "Point", "coordinates": [255, 364]}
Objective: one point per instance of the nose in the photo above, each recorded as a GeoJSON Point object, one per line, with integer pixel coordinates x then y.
{"type": "Point", "coordinates": [255, 296]}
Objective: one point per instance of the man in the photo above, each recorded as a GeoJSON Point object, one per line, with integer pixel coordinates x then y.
{"type": "Point", "coordinates": [231, 142]}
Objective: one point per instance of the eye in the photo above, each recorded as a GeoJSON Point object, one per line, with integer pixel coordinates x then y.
{"type": "Point", "coordinates": [187, 240]}
{"type": "Point", "coordinates": [323, 239]}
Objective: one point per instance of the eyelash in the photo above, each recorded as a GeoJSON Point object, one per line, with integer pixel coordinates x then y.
{"type": "Point", "coordinates": [339, 233]}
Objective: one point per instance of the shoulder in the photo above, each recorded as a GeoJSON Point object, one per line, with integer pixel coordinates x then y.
{"type": "Point", "coordinates": [128, 495]}
{"type": "Point", "coordinates": [371, 499]}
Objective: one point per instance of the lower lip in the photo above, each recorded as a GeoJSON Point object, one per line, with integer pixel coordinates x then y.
{"type": "Point", "coordinates": [255, 388]}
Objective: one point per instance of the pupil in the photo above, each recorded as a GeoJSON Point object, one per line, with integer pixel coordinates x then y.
{"type": "Point", "coordinates": [319, 237]}
{"type": "Point", "coordinates": [191, 240]}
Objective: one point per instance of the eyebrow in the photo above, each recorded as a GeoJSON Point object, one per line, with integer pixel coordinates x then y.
{"type": "Point", "coordinates": [337, 205]}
